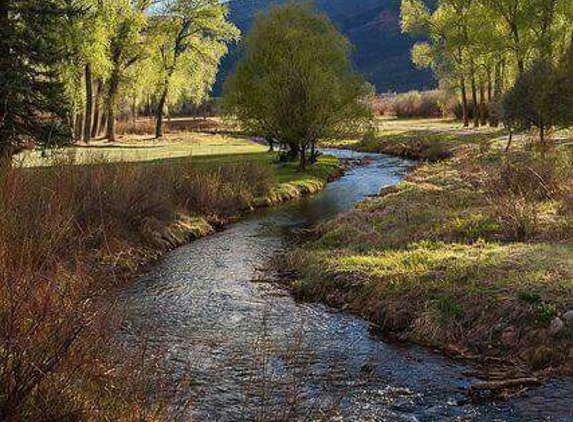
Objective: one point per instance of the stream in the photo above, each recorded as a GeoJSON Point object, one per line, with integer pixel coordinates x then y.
{"type": "Point", "coordinates": [255, 354]}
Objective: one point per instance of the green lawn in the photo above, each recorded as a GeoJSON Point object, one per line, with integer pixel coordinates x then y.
{"type": "Point", "coordinates": [144, 148]}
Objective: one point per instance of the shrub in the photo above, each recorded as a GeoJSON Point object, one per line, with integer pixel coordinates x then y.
{"type": "Point", "coordinates": [521, 183]}
{"type": "Point", "coordinates": [411, 104]}
{"type": "Point", "coordinates": [539, 98]}
{"type": "Point", "coordinates": [139, 127]}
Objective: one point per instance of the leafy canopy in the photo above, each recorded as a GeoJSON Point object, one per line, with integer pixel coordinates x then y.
{"type": "Point", "coordinates": [295, 82]}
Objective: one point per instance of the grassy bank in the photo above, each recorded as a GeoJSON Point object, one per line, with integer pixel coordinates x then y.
{"type": "Point", "coordinates": [472, 254]}
{"type": "Point", "coordinates": [419, 139]}
{"type": "Point", "coordinates": [71, 234]}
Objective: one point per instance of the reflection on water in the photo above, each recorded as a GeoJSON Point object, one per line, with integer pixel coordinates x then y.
{"type": "Point", "coordinates": [253, 353]}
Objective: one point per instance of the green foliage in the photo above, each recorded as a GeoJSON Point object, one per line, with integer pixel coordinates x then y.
{"type": "Point", "coordinates": [537, 99]}
{"type": "Point", "coordinates": [296, 82]}
{"type": "Point", "coordinates": [34, 103]}
{"type": "Point", "coordinates": [478, 48]}
{"type": "Point", "coordinates": [189, 39]}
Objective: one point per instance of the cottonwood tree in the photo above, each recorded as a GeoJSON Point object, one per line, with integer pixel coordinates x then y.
{"type": "Point", "coordinates": [190, 37]}
{"type": "Point", "coordinates": [128, 23]}
{"type": "Point", "coordinates": [486, 44]}
{"type": "Point", "coordinates": [33, 101]}
{"type": "Point", "coordinates": [295, 82]}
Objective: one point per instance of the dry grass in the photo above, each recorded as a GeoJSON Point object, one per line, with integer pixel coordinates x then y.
{"type": "Point", "coordinates": [179, 124]}
{"type": "Point", "coordinates": [429, 140]}
{"type": "Point", "coordinates": [69, 235]}
{"type": "Point", "coordinates": [425, 104]}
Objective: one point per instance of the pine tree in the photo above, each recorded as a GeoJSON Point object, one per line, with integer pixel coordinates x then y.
{"type": "Point", "coordinates": [33, 102]}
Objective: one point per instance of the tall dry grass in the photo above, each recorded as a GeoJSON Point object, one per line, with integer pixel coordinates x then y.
{"type": "Point", "coordinates": [63, 230]}
{"type": "Point", "coordinates": [523, 184]}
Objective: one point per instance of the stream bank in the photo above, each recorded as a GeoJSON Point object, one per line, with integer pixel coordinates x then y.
{"type": "Point", "coordinates": [254, 353]}
{"type": "Point", "coordinates": [471, 255]}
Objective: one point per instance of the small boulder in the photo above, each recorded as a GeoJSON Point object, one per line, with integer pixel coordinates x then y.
{"type": "Point", "coordinates": [556, 326]}
{"type": "Point", "coordinates": [568, 317]}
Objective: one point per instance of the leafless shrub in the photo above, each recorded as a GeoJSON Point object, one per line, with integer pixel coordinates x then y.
{"type": "Point", "coordinates": [411, 104]}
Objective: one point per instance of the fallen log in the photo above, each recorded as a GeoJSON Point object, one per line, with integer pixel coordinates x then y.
{"type": "Point", "coordinates": [504, 384]}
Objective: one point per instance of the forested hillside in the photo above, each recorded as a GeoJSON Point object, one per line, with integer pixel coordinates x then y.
{"type": "Point", "coordinates": [382, 52]}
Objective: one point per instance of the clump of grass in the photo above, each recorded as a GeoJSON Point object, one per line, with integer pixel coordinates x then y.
{"type": "Point", "coordinates": [138, 127]}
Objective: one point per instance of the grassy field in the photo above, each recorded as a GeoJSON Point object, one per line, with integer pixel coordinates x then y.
{"type": "Point", "coordinates": [140, 148]}
{"type": "Point", "coordinates": [421, 139]}
{"type": "Point", "coordinates": [473, 254]}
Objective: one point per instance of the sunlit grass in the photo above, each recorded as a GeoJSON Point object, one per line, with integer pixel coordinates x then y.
{"type": "Point", "coordinates": [459, 252]}
{"type": "Point", "coordinates": [139, 148]}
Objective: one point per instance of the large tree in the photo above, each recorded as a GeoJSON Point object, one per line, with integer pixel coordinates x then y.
{"type": "Point", "coordinates": [190, 39]}
{"type": "Point", "coordinates": [296, 83]}
{"type": "Point", "coordinates": [128, 22]}
{"type": "Point", "coordinates": [33, 101]}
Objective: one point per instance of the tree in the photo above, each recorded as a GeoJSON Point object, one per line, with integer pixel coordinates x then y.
{"type": "Point", "coordinates": [33, 101]}
{"type": "Point", "coordinates": [191, 37]}
{"type": "Point", "coordinates": [536, 100]}
{"type": "Point", "coordinates": [295, 82]}
{"type": "Point", "coordinates": [128, 22]}
{"type": "Point", "coordinates": [480, 47]}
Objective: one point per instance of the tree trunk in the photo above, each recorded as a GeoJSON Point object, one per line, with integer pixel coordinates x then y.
{"type": "Point", "coordinates": [303, 157]}
{"type": "Point", "coordinates": [111, 102]}
{"type": "Point", "coordinates": [489, 85]}
{"type": "Point", "coordinates": [134, 110]}
{"type": "Point", "coordinates": [517, 46]}
{"type": "Point", "coordinates": [79, 128]}
{"type": "Point", "coordinates": [89, 104]}
{"type": "Point", "coordinates": [465, 113]}
{"type": "Point", "coordinates": [483, 106]}
{"type": "Point", "coordinates": [494, 116]}
{"type": "Point", "coordinates": [475, 101]}
{"type": "Point", "coordinates": [271, 143]}
{"type": "Point", "coordinates": [97, 111]}
{"type": "Point", "coordinates": [103, 124]}
{"type": "Point", "coordinates": [159, 112]}
{"type": "Point", "coordinates": [510, 138]}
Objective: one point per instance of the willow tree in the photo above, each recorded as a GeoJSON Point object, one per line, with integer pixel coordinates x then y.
{"type": "Point", "coordinates": [191, 37]}
{"type": "Point", "coordinates": [486, 44]}
{"type": "Point", "coordinates": [295, 82]}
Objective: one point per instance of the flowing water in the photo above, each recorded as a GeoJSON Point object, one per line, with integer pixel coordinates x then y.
{"type": "Point", "coordinates": [254, 353]}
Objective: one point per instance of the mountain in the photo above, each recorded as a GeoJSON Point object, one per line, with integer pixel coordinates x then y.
{"type": "Point", "coordinates": [381, 51]}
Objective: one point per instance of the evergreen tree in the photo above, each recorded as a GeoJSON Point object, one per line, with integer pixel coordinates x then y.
{"type": "Point", "coordinates": [33, 100]}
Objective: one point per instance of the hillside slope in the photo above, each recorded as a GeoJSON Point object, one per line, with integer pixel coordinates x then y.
{"type": "Point", "coordinates": [382, 52]}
